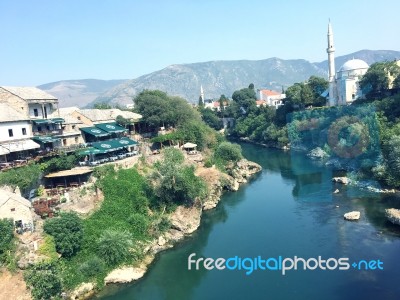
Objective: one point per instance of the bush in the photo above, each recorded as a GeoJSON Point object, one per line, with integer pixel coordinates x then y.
{"type": "Point", "coordinates": [26, 177]}
{"type": "Point", "coordinates": [6, 238]}
{"type": "Point", "coordinates": [92, 267]}
{"type": "Point", "coordinates": [139, 223]}
{"type": "Point", "coordinates": [67, 233]}
{"type": "Point", "coordinates": [114, 246]}
{"type": "Point", "coordinates": [227, 151]}
{"type": "Point", "coordinates": [44, 281]}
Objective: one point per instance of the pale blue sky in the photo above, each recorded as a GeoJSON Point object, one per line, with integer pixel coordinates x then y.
{"type": "Point", "coordinates": [50, 40]}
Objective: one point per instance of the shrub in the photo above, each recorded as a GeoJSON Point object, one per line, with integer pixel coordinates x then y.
{"type": "Point", "coordinates": [227, 151]}
{"type": "Point", "coordinates": [48, 248]}
{"type": "Point", "coordinates": [114, 246]}
{"type": "Point", "coordinates": [44, 281]}
{"type": "Point", "coordinates": [139, 223]}
{"type": "Point", "coordinates": [67, 233]}
{"type": "Point", "coordinates": [6, 238]}
{"type": "Point", "coordinates": [26, 177]}
{"type": "Point", "coordinates": [92, 267]}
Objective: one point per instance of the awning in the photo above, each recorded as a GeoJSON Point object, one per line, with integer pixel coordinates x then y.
{"type": "Point", "coordinates": [57, 120]}
{"type": "Point", "coordinates": [108, 146]}
{"type": "Point", "coordinates": [43, 139]}
{"type": "Point", "coordinates": [42, 121]}
{"type": "Point", "coordinates": [189, 145]}
{"type": "Point", "coordinates": [94, 131]}
{"type": "Point", "coordinates": [72, 172]}
{"type": "Point", "coordinates": [111, 127]}
{"type": "Point", "coordinates": [90, 150]}
{"type": "Point", "coordinates": [126, 142]}
{"type": "Point", "coordinates": [6, 148]}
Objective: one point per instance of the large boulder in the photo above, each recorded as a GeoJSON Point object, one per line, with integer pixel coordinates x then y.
{"type": "Point", "coordinates": [317, 153]}
{"type": "Point", "coordinates": [393, 215]}
{"type": "Point", "coordinates": [352, 216]}
{"type": "Point", "coordinates": [186, 219]}
{"type": "Point", "coordinates": [342, 180]}
{"type": "Point", "coordinates": [124, 275]}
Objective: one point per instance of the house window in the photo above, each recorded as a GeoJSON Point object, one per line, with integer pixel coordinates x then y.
{"type": "Point", "coordinates": [12, 209]}
{"type": "Point", "coordinates": [78, 117]}
{"type": "Point", "coordinates": [39, 128]}
{"type": "Point", "coordinates": [65, 142]}
{"type": "Point", "coordinates": [76, 139]}
{"type": "Point", "coordinates": [35, 112]}
{"type": "Point", "coordinates": [353, 96]}
{"type": "Point", "coordinates": [48, 127]}
{"type": "Point", "coordinates": [23, 131]}
{"type": "Point", "coordinates": [10, 133]}
{"type": "Point", "coordinates": [73, 126]}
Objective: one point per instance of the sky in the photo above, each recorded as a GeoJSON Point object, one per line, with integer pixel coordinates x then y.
{"type": "Point", "coordinates": [44, 41]}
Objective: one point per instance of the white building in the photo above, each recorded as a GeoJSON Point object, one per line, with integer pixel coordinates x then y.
{"type": "Point", "coordinates": [344, 85]}
{"type": "Point", "coordinates": [14, 206]}
{"type": "Point", "coordinates": [271, 98]}
{"type": "Point", "coordinates": [15, 134]}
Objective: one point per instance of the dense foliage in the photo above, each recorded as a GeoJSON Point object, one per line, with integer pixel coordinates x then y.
{"type": "Point", "coordinates": [26, 177]}
{"type": "Point", "coordinates": [175, 182]}
{"type": "Point", "coordinates": [67, 233]}
{"type": "Point", "coordinates": [44, 281]}
{"type": "Point", "coordinates": [6, 238]}
{"type": "Point", "coordinates": [113, 246]}
{"type": "Point", "coordinates": [158, 109]}
{"type": "Point", "coordinates": [61, 162]}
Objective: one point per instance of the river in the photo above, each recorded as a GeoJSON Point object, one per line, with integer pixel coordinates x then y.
{"type": "Point", "coordinates": [287, 210]}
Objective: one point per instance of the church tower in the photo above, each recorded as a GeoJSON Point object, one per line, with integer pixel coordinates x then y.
{"type": "Point", "coordinates": [331, 61]}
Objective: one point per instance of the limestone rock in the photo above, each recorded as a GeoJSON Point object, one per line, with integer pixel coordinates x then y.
{"type": "Point", "coordinates": [393, 215]}
{"type": "Point", "coordinates": [161, 241]}
{"type": "Point", "coordinates": [342, 180]}
{"type": "Point", "coordinates": [83, 291]}
{"type": "Point", "coordinates": [352, 216]}
{"type": "Point", "coordinates": [317, 153]}
{"type": "Point", "coordinates": [124, 275]}
{"type": "Point", "coordinates": [336, 191]}
{"type": "Point", "coordinates": [186, 219]}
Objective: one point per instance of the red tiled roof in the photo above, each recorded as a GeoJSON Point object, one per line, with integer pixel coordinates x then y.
{"type": "Point", "coordinates": [216, 103]}
{"type": "Point", "coordinates": [270, 93]}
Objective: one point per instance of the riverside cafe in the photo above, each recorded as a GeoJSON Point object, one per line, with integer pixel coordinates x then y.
{"type": "Point", "coordinates": [106, 144]}
{"type": "Point", "coordinates": [108, 150]}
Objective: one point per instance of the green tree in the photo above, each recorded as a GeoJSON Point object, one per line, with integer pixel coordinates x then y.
{"type": "Point", "coordinates": [376, 80]}
{"type": "Point", "coordinates": [176, 182]}
{"type": "Point", "coordinates": [114, 246]}
{"type": "Point", "coordinates": [67, 232]}
{"type": "Point", "coordinates": [158, 109]}
{"type": "Point", "coordinates": [44, 280]}
{"type": "Point", "coordinates": [102, 105]}
{"type": "Point", "coordinates": [6, 237]}
{"type": "Point", "coordinates": [211, 119]}
{"type": "Point", "coordinates": [227, 151]}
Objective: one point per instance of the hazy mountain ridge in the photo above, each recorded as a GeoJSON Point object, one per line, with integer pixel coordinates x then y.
{"type": "Point", "coordinates": [216, 77]}
{"type": "Point", "coordinates": [78, 92]}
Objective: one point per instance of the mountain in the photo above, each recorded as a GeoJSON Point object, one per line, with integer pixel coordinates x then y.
{"type": "Point", "coordinates": [78, 92]}
{"type": "Point", "coordinates": [224, 77]}
{"type": "Point", "coordinates": [369, 56]}
{"type": "Point", "coordinates": [217, 77]}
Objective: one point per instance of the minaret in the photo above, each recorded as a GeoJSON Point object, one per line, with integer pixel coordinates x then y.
{"type": "Point", "coordinates": [331, 61]}
{"type": "Point", "coordinates": [202, 93]}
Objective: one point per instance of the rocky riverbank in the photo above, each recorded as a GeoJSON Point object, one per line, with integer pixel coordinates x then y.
{"type": "Point", "coordinates": [184, 221]}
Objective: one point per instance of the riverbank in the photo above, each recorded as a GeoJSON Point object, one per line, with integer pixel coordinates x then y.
{"type": "Point", "coordinates": [184, 221]}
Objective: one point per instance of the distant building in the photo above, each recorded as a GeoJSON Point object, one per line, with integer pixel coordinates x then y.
{"type": "Point", "coordinates": [14, 206]}
{"type": "Point", "coordinates": [344, 85]}
{"type": "Point", "coordinates": [15, 134]}
{"type": "Point", "coordinates": [270, 98]}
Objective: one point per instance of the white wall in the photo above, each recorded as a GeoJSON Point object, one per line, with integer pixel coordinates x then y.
{"type": "Point", "coordinates": [32, 107]}
{"type": "Point", "coordinates": [17, 130]}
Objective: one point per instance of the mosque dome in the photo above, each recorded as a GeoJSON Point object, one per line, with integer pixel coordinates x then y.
{"type": "Point", "coordinates": [354, 64]}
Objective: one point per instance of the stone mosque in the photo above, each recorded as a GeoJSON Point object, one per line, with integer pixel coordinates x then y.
{"type": "Point", "coordinates": [344, 84]}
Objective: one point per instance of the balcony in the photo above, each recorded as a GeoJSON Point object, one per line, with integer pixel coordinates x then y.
{"type": "Point", "coordinates": [48, 132]}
